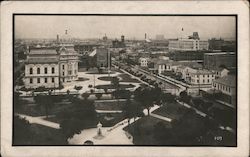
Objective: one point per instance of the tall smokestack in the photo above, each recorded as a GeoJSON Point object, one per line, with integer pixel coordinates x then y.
{"type": "Point", "coordinates": [57, 38]}
{"type": "Point", "coordinates": [145, 36]}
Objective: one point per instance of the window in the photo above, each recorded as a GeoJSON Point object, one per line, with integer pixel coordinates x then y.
{"type": "Point", "coordinates": [45, 70]}
{"type": "Point", "coordinates": [31, 70]}
{"type": "Point", "coordinates": [52, 79]}
{"type": "Point", "coordinates": [229, 89]}
{"type": "Point", "coordinates": [53, 70]}
{"type": "Point", "coordinates": [69, 72]}
{"type": "Point", "coordinates": [63, 73]}
{"type": "Point", "coordinates": [31, 80]}
{"type": "Point", "coordinates": [207, 80]}
{"type": "Point", "coordinates": [38, 70]}
{"type": "Point", "coordinates": [38, 80]}
{"type": "Point", "coordinates": [45, 80]}
{"type": "Point", "coordinates": [203, 81]}
{"type": "Point", "coordinates": [63, 67]}
{"type": "Point", "coordinates": [198, 81]}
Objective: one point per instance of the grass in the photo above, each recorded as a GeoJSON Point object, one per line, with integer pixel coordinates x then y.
{"type": "Point", "coordinates": [107, 105]}
{"type": "Point", "coordinates": [128, 78]}
{"type": "Point", "coordinates": [172, 111]}
{"type": "Point", "coordinates": [82, 79]}
{"type": "Point", "coordinates": [43, 135]}
{"type": "Point", "coordinates": [111, 86]}
{"type": "Point", "coordinates": [143, 130]}
{"type": "Point", "coordinates": [110, 119]}
{"type": "Point", "coordinates": [106, 78]}
{"type": "Point", "coordinates": [39, 110]}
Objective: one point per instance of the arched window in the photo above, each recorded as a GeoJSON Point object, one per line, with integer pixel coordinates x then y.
{"type": "Point", "coordinates": [52, 70]}
{"type": "Point", "coordinates": [38, 70]}
{"type": "Point", "coordinates": [45, 70]}
{"type": "Point", "coordinates": [31, 70]}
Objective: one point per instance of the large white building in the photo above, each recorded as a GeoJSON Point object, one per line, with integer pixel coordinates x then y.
{"type": "Point", "coordinates": [188, 45]}
{"type": "Point", "coordinates": [50, 67]}
{"type": "Point", "coordinates": [42, 68]}
{"type": "Point", "coordinates": [68, 61]}
{"type": "Point", "coordinates": [143, 61]}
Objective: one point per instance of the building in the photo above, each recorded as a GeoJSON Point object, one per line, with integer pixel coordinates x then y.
{"type": "Point", "coordinates": [143, 61]}
{"type": "Point", "coordinates": [103, 58]}
{"type": "Point", "coordinates": [192, 43]}
{"type": "Point", "coordinates": [50, 67]}
{"type": "Point", "coordinates": [220, 59]}
{"type": "Point", "coordinates": [187, 56]}
{"type": "Point", "coordinates": [201, 77]}
{"type": "Point", "coordinates": [42, 68]}
{"type": "Point", "coordinates": [187, 45]}
{"type": "Point", "coordinates": [68, 63]}
{"type": "Point", "coordinates": [85, 48]}
{"type": "Point", "coordinates": [119, 44]}
{"type": "Point", "coordinates": [227, 86]}
{"type": "Point", "coordinates": [215, 44]}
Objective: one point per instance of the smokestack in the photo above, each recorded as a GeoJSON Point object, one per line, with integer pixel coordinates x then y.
{"type": "Point", "coordinates": [145, 36]}
{"type": "Point", "coordinates": [122, 38]}
{"type": "Point", "coordinates": [66, 31]}
{"type": "Point", "coordinates": [57, 38]}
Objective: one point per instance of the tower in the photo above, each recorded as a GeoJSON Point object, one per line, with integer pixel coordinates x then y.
{"type": "Point", "coordinates": [122, 38]}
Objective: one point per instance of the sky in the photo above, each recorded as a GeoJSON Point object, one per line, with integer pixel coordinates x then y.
{"type": "Point", "coordinates": [29, 26]}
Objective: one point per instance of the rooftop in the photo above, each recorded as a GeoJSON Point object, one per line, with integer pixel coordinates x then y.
{"type": "Point", "coordinates": [43, 51]}
{"type": "Point", "coordinates": [229, 80]}
{"type": "Point", "coordinates": [220, 53]}
{"type": "Point", "coordinates": [42, 60]}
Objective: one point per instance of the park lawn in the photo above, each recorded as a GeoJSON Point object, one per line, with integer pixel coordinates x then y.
{"type": "Point", "coordinates": [111, 86]}
{"type": "Point", "coordinates": [109, 105]}
{"type": "Point", "coordinates": [171, 110]}
{"type": "Point", "coordinates": [143, 130]}
{"type": "Point", "coordinates": [128, 78]}
{"type": "Point", "coordinates": [110, 119]}
{"type": "Point", "coordinates": [38, 110]}
{"type": "Point", "coordinates": [43, 135]}
{"type": "Point", "coordinates": [82, 79]}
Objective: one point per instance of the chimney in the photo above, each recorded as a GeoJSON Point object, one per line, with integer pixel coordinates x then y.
{"type": "Point", "coordinates": [145, 36]}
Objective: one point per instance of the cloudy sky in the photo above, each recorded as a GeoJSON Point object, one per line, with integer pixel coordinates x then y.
{"type": "Point", "coordinates": [130, 26]}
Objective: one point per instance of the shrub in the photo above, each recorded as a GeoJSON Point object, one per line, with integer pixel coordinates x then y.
{"type": "Point", "coordinates": [98, 95]}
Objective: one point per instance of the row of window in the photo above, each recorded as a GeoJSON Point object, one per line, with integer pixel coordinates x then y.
{"type": "Point", "coordinates": [203, 81]}
{"type": "Point", "coordinates": [222, 87]}
{"type": "Point", "coordinates": [205, 75]}
{"type": "Point", "coordinates": [38, 71]}
{"type": "Point", "coordinates": [38, 80]}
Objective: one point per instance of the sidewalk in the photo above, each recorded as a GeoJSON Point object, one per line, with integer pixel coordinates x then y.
{"type": "Point", "coordinates": [39, 120]}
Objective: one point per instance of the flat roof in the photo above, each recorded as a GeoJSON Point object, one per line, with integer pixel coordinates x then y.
{"type": "Point", "coordinates": [220, 53]}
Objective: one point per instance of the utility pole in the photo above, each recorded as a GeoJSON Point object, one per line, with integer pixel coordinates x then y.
{"type": "Point", "coordinates": [109, 63]}
{"type": "Point", "coordinates": [94, 82]}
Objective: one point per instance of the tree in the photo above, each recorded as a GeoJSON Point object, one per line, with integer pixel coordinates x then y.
{"type": "Point", "coordinates": [44, 101]}
{"type": "Point", "coordinates": [85, 95]}
{"type": "Point", "coordinates": [80, 116]}
{"type": "Point", "coordinates": [78, 88]}
{"type": "Point", "coordinates": [145, 96]}
{"type": "Point", "coordinates": [184, 97]}
{"type": "Point", "coordinates": [167, 98]}
{"type": "Point", "coordinates": [98, 95]}
{"type": "Point", "coordinates": [115, 82]}
{"type": "Point", "coordinates": [22, 131]}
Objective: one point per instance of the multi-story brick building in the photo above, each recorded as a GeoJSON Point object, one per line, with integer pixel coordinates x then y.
{"type": "Point", "coordinates": [220, 59]}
